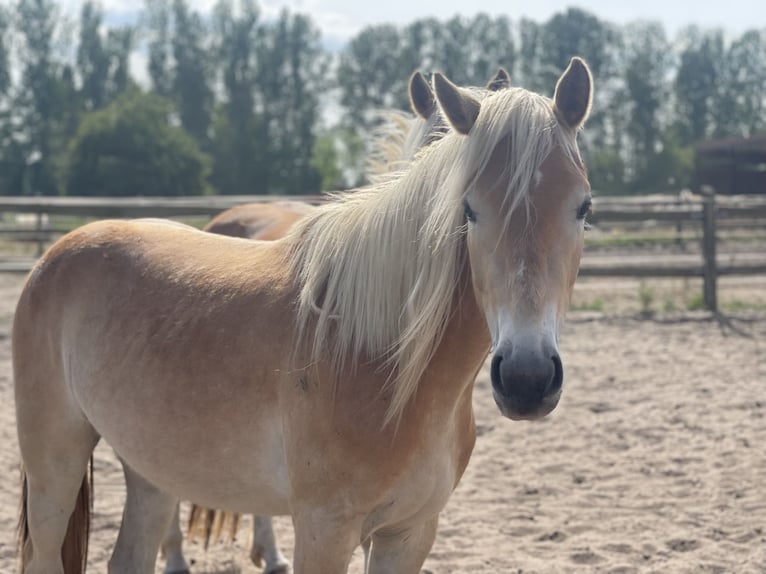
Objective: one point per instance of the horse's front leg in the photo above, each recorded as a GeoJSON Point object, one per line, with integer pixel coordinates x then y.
{"type": "Point", "coordinates": [402, 551]}
{"type": "Point", "coordinates": [324, 542]}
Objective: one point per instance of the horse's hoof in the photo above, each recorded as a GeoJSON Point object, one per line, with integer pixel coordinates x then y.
{"type": "Point", "coordinates": [281, 568]}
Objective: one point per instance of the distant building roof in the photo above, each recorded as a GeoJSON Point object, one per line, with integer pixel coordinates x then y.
{"type": "Point", "coordinates": [744, 149]}
{"type": "Point", "coordinates": [732, 165]}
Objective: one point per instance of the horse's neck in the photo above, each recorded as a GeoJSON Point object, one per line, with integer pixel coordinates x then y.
{"type": "Point", "coordinates": [464, 346]}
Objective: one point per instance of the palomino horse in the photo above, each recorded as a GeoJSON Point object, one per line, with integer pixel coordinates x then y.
{"type": "Point", "coordinates": [329, 372]}
{"type": "Point", "coordinates": [398, 139]}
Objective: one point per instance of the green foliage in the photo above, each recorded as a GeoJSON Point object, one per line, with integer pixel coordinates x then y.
{"type": "Point", "coordinates": [697, 80]}
{"type": "Point", "coordinates": [339, 158]}
{"type": "Point", "coordinates": [606, 171]}
{"type": "Point", "coordinates": [191, 87]}
{"type": "Point", "coordinates": [157, 30]}
{"type": "Point", "coordinates": [131, 148]}
{"type": "Point", "coordinates": [5, 61]}
{"type": "Point", "coordinates": [646, 298]}
{"type": "Point", "coordinates": [598, 305]}
{"type": "Point", "coordinates": [325, 159]}
{"type": "Point", "coordinates": [696, 302]}
{"type": "Point", "coordinates": [250, 91]}
{"type": "Point", "coordinates": [291, 77]}
{"type": "Point", "coordinates": [92, 58]}
{"type": "Point", "coordinates": [370, 71]}
{"type": "Point", "coordinates": [739, 107]}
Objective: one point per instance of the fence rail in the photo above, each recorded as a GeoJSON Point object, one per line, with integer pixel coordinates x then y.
{"type": "Point", "coordinates": [706, 213]}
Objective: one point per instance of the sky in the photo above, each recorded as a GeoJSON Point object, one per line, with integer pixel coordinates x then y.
{"type": "Point", "coordinates": [340, 20]}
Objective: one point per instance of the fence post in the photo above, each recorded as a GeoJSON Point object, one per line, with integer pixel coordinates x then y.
{"type": "Point", "coordinates": [710, 269]}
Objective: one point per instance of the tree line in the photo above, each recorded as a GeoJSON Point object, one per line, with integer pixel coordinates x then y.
{"type": "Point", "coordinates": [234, 102]}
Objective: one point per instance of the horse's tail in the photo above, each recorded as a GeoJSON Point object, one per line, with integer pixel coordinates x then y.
{"type": "Point", "coordinates": [208, 524]}
{"type": "Point", "coordinates": [74, 551]}
{"type": "Point", "coordinates": [23, 527]}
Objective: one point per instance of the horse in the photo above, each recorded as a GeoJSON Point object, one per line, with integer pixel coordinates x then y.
{"type": "Point", "coordinates": [397, 140]}
{"type": "Point", "coordinates": [330, 372]}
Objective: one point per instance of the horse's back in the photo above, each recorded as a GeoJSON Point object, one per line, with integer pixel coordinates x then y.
{"type": "Point", "coordinates": [153, 287]}
{"type": "Point", "coordinates": [265, 221]}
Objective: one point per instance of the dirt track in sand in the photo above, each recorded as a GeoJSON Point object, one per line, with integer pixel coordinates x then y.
{"type": "Point", "coordinates": [653, 462]}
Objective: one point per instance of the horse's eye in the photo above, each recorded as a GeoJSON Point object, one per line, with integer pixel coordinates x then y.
{"type": "Point", "coordinates": [584, 209]}
{"type": "Point", "coordinates": [469, 213]}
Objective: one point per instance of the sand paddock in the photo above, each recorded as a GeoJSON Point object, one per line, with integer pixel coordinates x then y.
{"type": "Point", "coordinates": [654, 461]}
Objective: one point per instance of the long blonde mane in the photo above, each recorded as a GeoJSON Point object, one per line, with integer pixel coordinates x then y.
{"type": "Point", "coordinates": [379, 267]}
{"type": "Point", "coordinates": [396, 139]}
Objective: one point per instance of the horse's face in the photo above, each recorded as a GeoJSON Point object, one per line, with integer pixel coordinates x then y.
{"type": "Point", "coordinates": [524, 262]}
{"type": "Point", "coordinates": [524, 270]}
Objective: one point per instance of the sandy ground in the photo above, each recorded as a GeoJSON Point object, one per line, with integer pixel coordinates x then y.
{"type": "Point", "coordinates": [654, 460]}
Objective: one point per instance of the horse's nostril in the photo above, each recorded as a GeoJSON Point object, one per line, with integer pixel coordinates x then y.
{"type": "Point", "coordinates": [558, 376]}
{"type": "Point", "coordinates": [494, 371]}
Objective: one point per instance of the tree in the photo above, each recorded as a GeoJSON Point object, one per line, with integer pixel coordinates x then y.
{"type": "Point", "coordinates": [130, 147]}
{"type": "Point", "coordinates": [646, 64]}
{"type": "Point", "coordinates": [35, 100]}
{"type": "Point", "coordinates": [577, 32]}
{"type": "Point", "coordinates": [369, 75]}
{"type": "Point", "coordinates": [92, 58]}
{"type": "Point", "coordinates": [120, 46]}
{"type": "Point", "coordinates": [738, 106]}
{"type": "Point", "coordinates": [191, 87]}
{"type": "Point", "coordinates": [326, 161]}
{"type": "Point", "coordinates": [5, 61]}
{"type": "Point", "coordinates": [530, 52]}
{"type": "Point", "coordinates": [238, 148]}
{"type": "Point", "coordinates": [290, 79]}
{"type": "Point", "coordinates": [374, 68]}
{"type": "Point", "coordinates": [469, 51]}
{"type": "Point", "coordinates": [157, 24]}
{"type": "Point", "coordinates": [701, 62]}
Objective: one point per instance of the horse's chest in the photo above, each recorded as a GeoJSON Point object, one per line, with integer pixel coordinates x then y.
{"type": "Point", "coordinates": [424, 489]}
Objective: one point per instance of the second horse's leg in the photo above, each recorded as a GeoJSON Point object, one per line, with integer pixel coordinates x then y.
{"type": "Point", "coordinates": [264, 547]}
{"type": "Point", "coordinates": [172, 547]}
{"type": "Point", "coordinates": [145, 521]}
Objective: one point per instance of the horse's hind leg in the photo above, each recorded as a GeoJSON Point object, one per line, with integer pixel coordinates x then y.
{"type": "Point", "coordinates": [172, 546]}
{"type": "Point", "coordinates": [404, 551]}
{"type": "Point", "coordinates": [55, 454]}
{"type": "Point", "coordinates": [264, 547]}
{"type": "Point", "coordinates": [145, 520]}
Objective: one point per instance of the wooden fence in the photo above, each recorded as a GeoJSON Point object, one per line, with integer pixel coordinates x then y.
{"type": "Point", "coordinates": [704, 213]}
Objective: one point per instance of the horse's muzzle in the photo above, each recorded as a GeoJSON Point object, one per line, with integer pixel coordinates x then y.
{"type": "Point", "coordinates": [526, 384]}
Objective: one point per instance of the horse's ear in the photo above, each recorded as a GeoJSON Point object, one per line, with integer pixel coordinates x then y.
{"type": "Point", "coordinates": [574, 94]}
{"type": "Point", "coordinates": [500, 81]}
{"type": "Point", "coordinates": [421, 97]}
{"type": "Point", "coordinates": [459, 107]}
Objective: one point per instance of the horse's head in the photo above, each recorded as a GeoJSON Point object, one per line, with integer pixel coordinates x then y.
{"type": "Point", "coordinates": [525, 207]}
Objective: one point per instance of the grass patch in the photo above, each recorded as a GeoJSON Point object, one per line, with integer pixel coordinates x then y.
{"type": "Point", "coordinates": [634, 241]}
{"type": "Point", "coordinates": [738, 306]}
{"type": "Point", "coordinates": [596, 304]}
{"type": "Point", "coordinates": [696, 303]}
{"type": "Point", "coordinates": [646, 298]}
